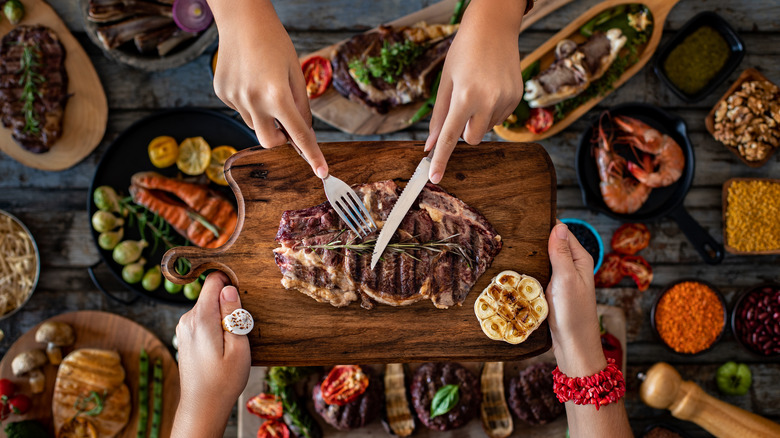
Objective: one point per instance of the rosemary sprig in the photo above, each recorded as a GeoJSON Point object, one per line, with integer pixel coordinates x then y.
{"type": "Point", "coordinates": [367, 246]}
{"type": "Point", "coordinates": [205, 222]}
{"type": "Point", "coordinates": [30, 81]}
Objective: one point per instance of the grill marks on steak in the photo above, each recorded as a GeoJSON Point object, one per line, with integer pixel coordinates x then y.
{"type": "Point", "coordinates": [339, 276]}
{"type": "Point", "coordinates": [429, 378]}
{"type": "Point", "coordinates": [49, 104]}
{"type": "Point", "coordinates": [380, 96]}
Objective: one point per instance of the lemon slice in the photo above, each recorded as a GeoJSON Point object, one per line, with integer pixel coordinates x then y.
{"type": "Point", "coordinates": [216, 169]}
{"type": "Point", "coordinates": [511, 307]}
{"type": "Point", "coordinates": [194, 156]}
{"type": "Point", "coordinates": [163, 151]}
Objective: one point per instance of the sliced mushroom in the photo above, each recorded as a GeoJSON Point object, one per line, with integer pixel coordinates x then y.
{"type": "Point", "coordinates": [29, 363]}
{"type": "Point", "coordinates": [55, 335]}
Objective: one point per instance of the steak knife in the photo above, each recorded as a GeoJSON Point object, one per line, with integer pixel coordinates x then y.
{"type": "Point", "coordinates": [401, 207]}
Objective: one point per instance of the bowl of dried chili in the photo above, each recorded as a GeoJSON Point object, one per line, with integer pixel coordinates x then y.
{"type": "Point", "coordinates": [689, 316]}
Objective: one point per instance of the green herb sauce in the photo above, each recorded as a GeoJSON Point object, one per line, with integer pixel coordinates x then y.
{"type": "Point", "coordinates": [692, 64]}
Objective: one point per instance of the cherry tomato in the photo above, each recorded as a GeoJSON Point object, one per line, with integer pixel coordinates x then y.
{"type": "Point", "coordinates": [318, 73]}
{"type": "Point", "coordinates": [19, 404]}
{"type": "Point", "coordinates": [344, 384]}
{"type": "Point", "coordinates": [609, 273]}
{"type": "Point", "coordinates": [7, 389]}
{"type": "Point", "coordinates": [273, 429]}
{"type": "Point", "coordinates": [630, 238]}
{"type": "Point", "coordinates": [541, 120]}
{"type": "Point", "coordinates": [637, 268]}
{"type": "Point", "coordinates": [266, 406]}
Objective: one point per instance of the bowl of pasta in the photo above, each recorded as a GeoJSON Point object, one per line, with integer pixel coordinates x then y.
{"type": "Point", "coordinates": [20, 264]}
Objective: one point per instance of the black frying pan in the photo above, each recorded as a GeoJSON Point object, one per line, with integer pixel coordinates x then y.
{"type": "Point", "coordinates": [128, 155]}
{"type": "Point", "coordinates": [662, 202]}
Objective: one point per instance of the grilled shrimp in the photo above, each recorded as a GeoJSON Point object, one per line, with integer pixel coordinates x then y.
{"type": "Point", "coordinates": [667, 165]}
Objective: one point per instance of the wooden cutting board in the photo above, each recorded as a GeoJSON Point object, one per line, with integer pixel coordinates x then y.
{"type": "Point", "coordinates": [94, 329]}
{"type": "Point", "coordinates": [86, 111]}
{"type": "Point", "coordinates": [511, 184]}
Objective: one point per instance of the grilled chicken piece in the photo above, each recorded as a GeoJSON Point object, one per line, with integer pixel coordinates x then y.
{"type": "Point", "coordinates": [105, 11]}
{"type": "Point", "coordinates": [180, 202]}
{"type": "Point", "coordinates": [115, 35]}
{"type": "Point", "coordinates": [86, 370]}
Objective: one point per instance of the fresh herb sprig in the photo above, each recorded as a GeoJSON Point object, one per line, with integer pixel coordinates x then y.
{"type": "Point", "coordinates": [91, 404]}
{"type": "Point", "coordinates": [30, 81]}
{"type": "Point", "coordinates": [393, 59]}
{"type": "Point", "coordinates": [444, 400]}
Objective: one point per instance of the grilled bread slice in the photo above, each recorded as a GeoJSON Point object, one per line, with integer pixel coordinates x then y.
{"type": "Point", "coordinates": [86, 370]}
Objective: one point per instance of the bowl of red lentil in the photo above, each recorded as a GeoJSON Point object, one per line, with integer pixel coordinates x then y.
{"type": "Point", "coordinates": [755, 319]}
{"type": "Point", "coordinates": [689, 316]}
{"type": "Point", "coordinates": [751, 207]}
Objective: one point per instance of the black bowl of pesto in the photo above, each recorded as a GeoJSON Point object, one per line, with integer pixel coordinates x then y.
{"type": "Point", "coordinates": [700, 57]}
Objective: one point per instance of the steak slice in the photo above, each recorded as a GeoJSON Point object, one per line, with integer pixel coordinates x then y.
{"type": "Point", "coordinates": [51, 81]}
{"type": "Point", "coordinates": [413, 85]}
{"type": "Point", "coordinates": [313, 260]}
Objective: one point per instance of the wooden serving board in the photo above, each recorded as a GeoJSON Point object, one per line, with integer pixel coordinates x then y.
{"type": "Point", "coordinates": [354, 118]}
{"type": "Point", "coordinates": [512, 185]}
{"type": "Point", "coordinates": [94, 329]}
{"type": "Point", "coordinates": [614, 320]}
{"type": "Point", "coordinates": [86, 111]}
{"type": "Point", "coordinates": [545, 54]}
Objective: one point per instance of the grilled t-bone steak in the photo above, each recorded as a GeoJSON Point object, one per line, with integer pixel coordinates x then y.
{"type": "Point", "coordinates": [33, 56]}
{"type": "Point", "coordinates": [415, 82]}
{"type": "Point", "coordinates": [313, 260]}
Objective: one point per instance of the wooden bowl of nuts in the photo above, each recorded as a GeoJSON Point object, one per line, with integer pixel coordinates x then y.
{"type": "Point", "coordinates": [747, 118]}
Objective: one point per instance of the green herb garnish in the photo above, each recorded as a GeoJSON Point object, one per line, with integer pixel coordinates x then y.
{"type": "Point", "coordinates": [30, 81]}
{"type": "Point", "coordinates": [393, 59]}
{"type": "Point", "coordinates": [91, 404]}
{"type": "Point", "coordinates": [445, 399]}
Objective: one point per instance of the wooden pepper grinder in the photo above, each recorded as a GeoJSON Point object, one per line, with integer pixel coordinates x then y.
{"type": "Point", "coordinates": [663, 388]}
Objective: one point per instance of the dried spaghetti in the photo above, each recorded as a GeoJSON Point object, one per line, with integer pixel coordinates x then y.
{"type": "Point", "coordinates": [18, 265]}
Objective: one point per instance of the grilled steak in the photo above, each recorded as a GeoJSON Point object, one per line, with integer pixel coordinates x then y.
{"type": "Point", "coordinates": [338, 275]}
{"type": "Point", "coordinates": [49, 79]}
{"type": "Point", "coordinates": [429, 378]}
{"type": "Point", "coordinates": [531, 395]}
{"type": "Point", "coordinates": [356, 413]}
{"type": "Point", "coordinates": [415, 82]}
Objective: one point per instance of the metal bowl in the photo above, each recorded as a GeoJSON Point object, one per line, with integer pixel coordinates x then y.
{"type": "Point", "coordinates": [37, 263]}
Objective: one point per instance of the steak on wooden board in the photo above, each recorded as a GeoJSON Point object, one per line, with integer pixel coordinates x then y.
{"type": "Point", "coordinates": [340, 276]}
{"type": "Point", "coordinates": [52, 86]}
{"type": "Point", "coordinates": [413, 85]}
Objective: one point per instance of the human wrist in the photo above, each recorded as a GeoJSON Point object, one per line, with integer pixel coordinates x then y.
{"type": "Point", "coordinates": [497, 15]}
{"type": "Point", "coordinates": [580, 359]}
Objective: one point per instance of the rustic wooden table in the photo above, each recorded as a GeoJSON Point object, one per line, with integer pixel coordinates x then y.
{"type": "Point", "coordinates": [53, 204]}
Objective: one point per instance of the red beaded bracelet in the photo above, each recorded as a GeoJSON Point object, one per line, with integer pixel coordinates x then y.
{"type": "Point", "coordinates": [600, 389]}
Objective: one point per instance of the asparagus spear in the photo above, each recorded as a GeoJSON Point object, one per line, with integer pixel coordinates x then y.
{"type": "Point", "coordinates": [157, 399]}
{"type": "Point", "coordinates": [143, 394]}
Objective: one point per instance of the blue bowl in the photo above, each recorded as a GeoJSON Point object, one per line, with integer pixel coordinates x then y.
{"type": "Point", "coordinates": [596, 263]}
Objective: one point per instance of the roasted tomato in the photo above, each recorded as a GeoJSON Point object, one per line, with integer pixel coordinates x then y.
{"type": "Point", "coordinates": [541, 120]}
{"type": "Point", "coordinates": [344, 384]}
{"type": "Point", "coordinates": [637, 268]}
{"type": "Point", "coordinates": [318, 73]}
{"type": "Point", "coordinates": [630, 238]}
{"type": "Point", "coordinates": [266, 406]}
{"type": "Point", "coordinates": [610, 272]}
{"type": "Point", "coordinates": [273, 429]}
{"type": "Point", "coordinates": [611, 345]}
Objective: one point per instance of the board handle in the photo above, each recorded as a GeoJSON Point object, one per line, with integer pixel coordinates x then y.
{"type": "Point", "coordinates": [201, 260]}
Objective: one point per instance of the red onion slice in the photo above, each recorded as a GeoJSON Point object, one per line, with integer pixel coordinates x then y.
{"type": "Point", "coordinates": [192, 15]}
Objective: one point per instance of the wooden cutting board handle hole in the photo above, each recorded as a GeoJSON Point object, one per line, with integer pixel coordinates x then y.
{"type": "Point", "coordinates": [201, 260]}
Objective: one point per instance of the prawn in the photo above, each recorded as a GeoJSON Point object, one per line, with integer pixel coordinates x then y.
{"type": "Point", "coordinates": [622, 195]}
{"type": "Point", "coordinates": [667, 165]}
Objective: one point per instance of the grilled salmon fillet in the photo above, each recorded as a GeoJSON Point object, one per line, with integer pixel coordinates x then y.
{"type": "Point", "coordinates": [176, 201]}
{"type": "Point", "coordinates": [86, 370]}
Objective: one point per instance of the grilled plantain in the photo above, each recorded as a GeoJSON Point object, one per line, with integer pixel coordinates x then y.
{"type": "Point", "coordinates": [496, 419]}
{"type": "Point", "coordinates": [511, 307]}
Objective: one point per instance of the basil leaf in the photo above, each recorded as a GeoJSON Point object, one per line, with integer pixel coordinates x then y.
{"type": "Point", "coordinates": [445, 399]}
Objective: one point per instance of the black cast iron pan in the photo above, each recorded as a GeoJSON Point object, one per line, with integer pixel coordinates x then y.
{"type": "Point", "coordinates": [128, 155]}
{"type": "Point", "coordinates": [662, 202]}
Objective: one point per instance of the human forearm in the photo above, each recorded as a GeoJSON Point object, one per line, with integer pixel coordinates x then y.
{"type": "Point", "coordinates": [201, 419]}
{"type": "Point", "coordinates": [495, 15]}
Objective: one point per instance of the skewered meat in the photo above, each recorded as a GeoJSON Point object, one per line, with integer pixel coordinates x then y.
{"type": "Point", "coordinates": [181, 204]}
{"type": "Point", "coordinates": [413, 85]}
{"type": "Point", "coordinates": [50, 85]}
{"type": "Point", "coordinates": [311, 264]}
{"type": "Point", "coordinates": [429, 378]}
{"type": "Point", "coordinates": [574, 69]}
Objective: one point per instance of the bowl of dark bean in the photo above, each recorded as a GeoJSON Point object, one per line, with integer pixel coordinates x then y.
{"type": "Point", "coordinates": [755, 319]}
{"type": "Point", "coordinates": [589, 239]}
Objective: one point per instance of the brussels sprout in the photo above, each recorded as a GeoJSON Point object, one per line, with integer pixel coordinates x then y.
{"type": "Point", "coordinates": [14, 11]}
{"type": "Point", "coordinates": [134, 272]}
{"type": "Point", "coordinates": [152, 279]}
{"type": "Point", "coordinates": [109, 239]}
{"type": "Point", "coordinates": [192, 290]}
{"type": "Point", "coordinates": [106, 199]}
{"type": "Point", "coordinates": [128, 251]}
{"type": "Point", "coordinates": [105, 221]}
{"type": "Point", "coordinates": [172, 287]}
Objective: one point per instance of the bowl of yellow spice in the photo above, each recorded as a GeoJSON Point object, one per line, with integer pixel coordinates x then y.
{"type": "Point", "coordinates": [751, 208]}
{"type": "Point", "coordinates": [700, 57]}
